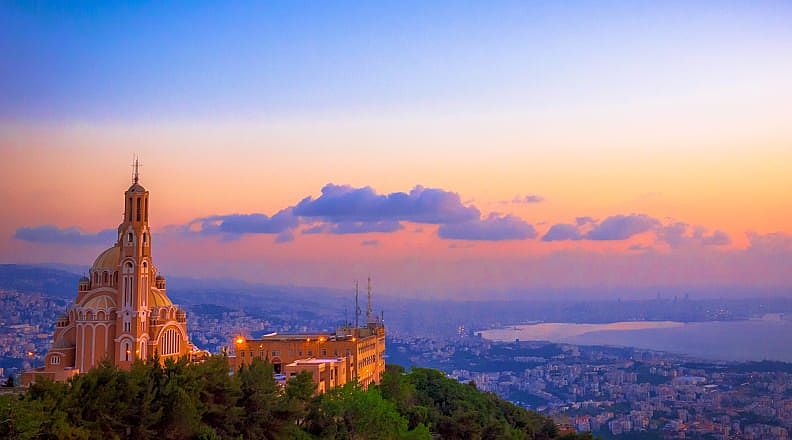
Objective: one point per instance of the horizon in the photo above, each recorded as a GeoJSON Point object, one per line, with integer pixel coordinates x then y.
{"type": "Point", "coordinates": [450, 152]}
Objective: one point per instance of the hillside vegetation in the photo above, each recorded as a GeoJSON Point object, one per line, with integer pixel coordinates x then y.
{"type": "Point", "coordinates": [204, 401]}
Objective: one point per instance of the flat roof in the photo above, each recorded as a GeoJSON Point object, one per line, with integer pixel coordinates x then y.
{"type": "Point", "coordinates": [316, 361]}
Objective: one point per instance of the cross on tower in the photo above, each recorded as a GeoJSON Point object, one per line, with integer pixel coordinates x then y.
{"type": "Point", "coordinates": [135, 166]}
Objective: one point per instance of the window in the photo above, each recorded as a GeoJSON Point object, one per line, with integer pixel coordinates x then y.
{"type": "Point", "coordinates": [55, 360]}
{"type": "Point", "coordinates": [129, 209]}
{"type": "Point", "coordinates": [275, 353]}
{"type": "Point", "coordinates": [105, 277]}
{"type": "Point", "coordinates": [170, 341]}
{"type": "Point", "coordinates": [324, 352]}
{"type": "Point", "coordinates": [96, 277]}
{"type": "Point", "coordinates": [129, 237]}
{"type": "Point", "coordinates": [144, 238]}
{"type": "Point", "coordinates": [146, 201]}
{"type": "Point", "coordinates": [137, 211]}
{"type": "Point", "coordinates": [127, 291]}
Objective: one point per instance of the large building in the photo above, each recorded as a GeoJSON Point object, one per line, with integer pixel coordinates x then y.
{"type": "Point", "coordinates": [122, 312]}
{"type": "Point", "coordinates": [360, 348]}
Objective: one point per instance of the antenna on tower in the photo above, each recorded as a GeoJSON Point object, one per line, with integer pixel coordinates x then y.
{"type": "Point", "coordinates": [357, 307]}
{"type": "Point", "coordinates": [368, 304]}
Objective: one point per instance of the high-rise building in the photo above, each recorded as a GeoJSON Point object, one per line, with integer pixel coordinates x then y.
{"type": "Point", "coordinates": [122, 312]}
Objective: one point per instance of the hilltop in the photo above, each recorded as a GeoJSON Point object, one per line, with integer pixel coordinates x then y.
{"type": "Point", "coordinates": [181, 401]}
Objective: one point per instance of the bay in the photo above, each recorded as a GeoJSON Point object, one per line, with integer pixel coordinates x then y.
{"type": "Point", "coordinates": [769, 338]}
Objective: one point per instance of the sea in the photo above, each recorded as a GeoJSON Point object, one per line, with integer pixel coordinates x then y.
{"type": "Point", "coordinates": [765, 338]}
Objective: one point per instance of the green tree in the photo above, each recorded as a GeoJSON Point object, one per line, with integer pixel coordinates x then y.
{"type": "Point", "coordinates": [349, 412]}
{"type": "Point", "coordinates": [259, 400]}
{"type": "Point", "coordinates": [297, 398]}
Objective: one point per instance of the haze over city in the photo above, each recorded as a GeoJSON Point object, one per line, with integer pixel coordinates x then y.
{"type": "Point", "coordinates": [452, 150]}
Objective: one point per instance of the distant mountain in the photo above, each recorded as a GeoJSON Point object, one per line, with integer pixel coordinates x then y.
{"type": "Point", "coordinates": [60, 281]}
{"type": "Point", "coordinates": [39, 279]}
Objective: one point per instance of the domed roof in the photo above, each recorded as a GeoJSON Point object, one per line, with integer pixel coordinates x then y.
{"type": "Point", "coordinates": [108, 259]}
{"type": "Point", "coordinates": [136, 187]}
{"type": "Point", "coordinates": [159, 299]}
{"type": "Point", "coordinates": [102, 302]}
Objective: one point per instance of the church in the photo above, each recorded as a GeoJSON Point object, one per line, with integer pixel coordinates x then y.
{"type": "Point", "coordinates": [122, 312]}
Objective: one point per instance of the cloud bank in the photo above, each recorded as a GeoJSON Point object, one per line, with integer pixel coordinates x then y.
{"type": "Point", "coordinates": [344, 210]}
{"type": "Point", "coordinates": [71, 236]}
{"type": "Point", "coordinates": [495, 227]}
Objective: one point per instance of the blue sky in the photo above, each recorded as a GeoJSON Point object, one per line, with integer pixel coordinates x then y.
{"type": "Point", "coordinates": [148, 60]}
{"type": "Point", "coordinates": [664, 124]}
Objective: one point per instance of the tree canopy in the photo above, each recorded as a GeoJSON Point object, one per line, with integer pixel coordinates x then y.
{"type": "Point", "coordinates": [177, 400]}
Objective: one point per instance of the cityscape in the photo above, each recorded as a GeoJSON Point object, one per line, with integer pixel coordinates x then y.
{"type": "Point", "coordinates": [407, 220]}
{"type": "Point", "coordinates": [613, 392]}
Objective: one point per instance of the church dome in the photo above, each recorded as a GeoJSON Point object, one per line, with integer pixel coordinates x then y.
{"type": "Point", "coordinates": [108, 259]}
{"type": "Point", "coordinates": [102, 302]}
{"type": "Point", "coordinates": [159, 299]}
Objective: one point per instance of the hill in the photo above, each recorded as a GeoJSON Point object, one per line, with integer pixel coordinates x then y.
{"type": "Point", "coordinates": [49, 281]}
{"type": "Point", "coordinates": [181, 401]}
{"type": "Point", "coordinates": [60, 281]}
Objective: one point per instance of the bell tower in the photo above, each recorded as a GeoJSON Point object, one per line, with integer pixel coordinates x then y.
{"type": "Point", "coordinates": [134, 241]}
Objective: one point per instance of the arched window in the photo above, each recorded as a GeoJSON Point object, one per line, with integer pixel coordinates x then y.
{"type": "Point", "coordinates": [127, 290]}
{"type": "Point", "coordinates": [129, 237]}
{"type": "Point", "coordinates": [127, 351]}
{"type": "Point", "coordinates": [129, 209]}
{"type": "Point", "coordinates": [145, 238]}
{"type": "Point", "coordinates": [170, 342]}
{"type": "Point", "coordinates": [105, 277]}
{"type": "Point", "coordinates": [137, 211]}
{"type": "Point", "coordinates": [55, 360]}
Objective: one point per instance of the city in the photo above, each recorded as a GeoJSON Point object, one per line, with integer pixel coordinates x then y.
{"type": "Point", "coordinates": [610, 391]}
{"type": "Point", "coordinates": [406, 220]}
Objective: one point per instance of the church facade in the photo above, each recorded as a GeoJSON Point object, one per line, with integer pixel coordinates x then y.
{"type": "Point", "coordinates": [122, 312]}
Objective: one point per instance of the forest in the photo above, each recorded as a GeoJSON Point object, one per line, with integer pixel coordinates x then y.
{"type": "Point", "coordinates": [178, 400]}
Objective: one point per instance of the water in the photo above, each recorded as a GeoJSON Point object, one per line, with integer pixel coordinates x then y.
{"type": "Point", "coordinates": [751, 340]}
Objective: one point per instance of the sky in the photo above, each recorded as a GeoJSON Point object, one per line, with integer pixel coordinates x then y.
{"type": "Point", "coordinates": [449, 149]}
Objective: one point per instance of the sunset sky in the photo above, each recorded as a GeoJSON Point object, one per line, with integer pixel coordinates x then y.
{"type": "Point", "coordinates": [452, 149]}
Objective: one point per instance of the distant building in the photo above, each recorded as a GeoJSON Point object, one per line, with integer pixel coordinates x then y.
{"type": "Point", "coordinates": [121, 312]}
{"type": "Point", "coordinates": [326, 373]}
{"type": "Point", "coordinates": [360, 347]}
